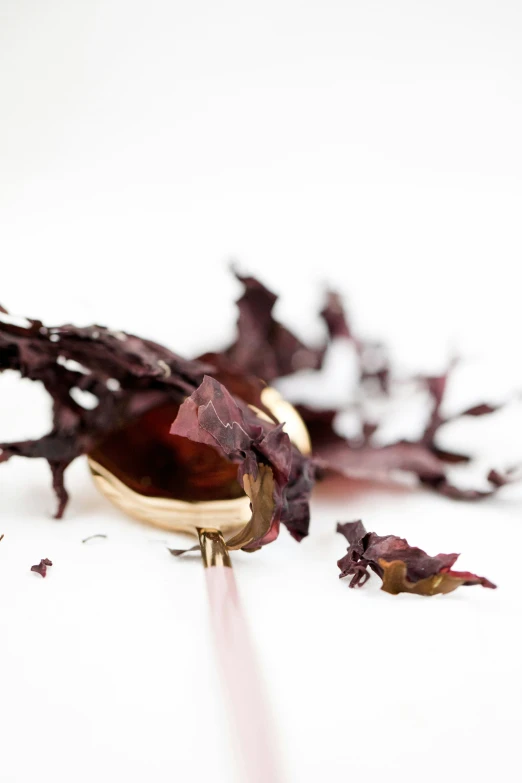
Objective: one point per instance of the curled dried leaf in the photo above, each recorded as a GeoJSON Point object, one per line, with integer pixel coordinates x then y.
{"type": "Point", "coordinates": [402, 568]}
{"type": "Point", "coordinates": [179, 552]}
{"type": "Point", "coordinates": [260, 490]}
{"type": "Point", "coordinates": [264, 347]}
{"type": "Point", "coordinates": [395, 580]}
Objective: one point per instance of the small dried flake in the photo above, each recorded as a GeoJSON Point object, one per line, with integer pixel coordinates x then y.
{"type": "Point", "coordinates": [402, 568]}
{"type": "Point", "coordinates": [264, 347]}
{"type": "Point", "coordinates": [261, 349]}
{"type": "Point", "coordinates": [42, 566]}
{"type": "Point", "coordinates": [96, 535]}
{"type": "Point", "coordinates": [179, 552]}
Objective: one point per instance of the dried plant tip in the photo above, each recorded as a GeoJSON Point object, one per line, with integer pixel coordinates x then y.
{"type": "Point", "coordinates": [264, 347]}
{"type": "Point", "coordinates": [124, 375]}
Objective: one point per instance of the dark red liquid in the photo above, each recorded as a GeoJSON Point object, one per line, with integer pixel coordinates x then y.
{"type": "Point", "coordinates": [152, 462]}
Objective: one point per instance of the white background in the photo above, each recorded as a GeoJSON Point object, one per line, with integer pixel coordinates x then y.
{"type": "Point", "coordinates": [370, 145]}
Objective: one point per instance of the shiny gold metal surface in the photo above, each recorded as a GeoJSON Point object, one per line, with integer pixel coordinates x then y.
{"type": "Point", "coordinates": [181, 516]}
{"type": "Point", "coordinates": [213, 548]}
{"type": "Point", "coordinates": [284, 411]}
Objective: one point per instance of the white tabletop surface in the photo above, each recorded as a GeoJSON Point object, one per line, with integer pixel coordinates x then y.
{"type": "Point", "coordinates": [373, 146]}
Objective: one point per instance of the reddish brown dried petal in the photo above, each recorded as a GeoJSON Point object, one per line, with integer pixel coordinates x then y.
{"type": "Point", "coordinates": [395, 580]}
{"type": "Point", "coordinates": [263, 347]}
{"type": "Point", "coordinates": [402, 568]}
{"type": "Point", "coordinates": [136, 382]}
{"type": "Point", "coordinates": [213, 417]}
{"type": "Point", "coordinates": [42, 566]}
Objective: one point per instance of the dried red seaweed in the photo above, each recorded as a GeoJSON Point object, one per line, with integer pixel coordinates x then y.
{"type": "Point", "coordinates": [128, 378]}
{"type": "Point", "coordinates": [213, 417]}
{"type": "Point", "coordinates": [263, 347]}
{"type": "Point", "coordinates": [402, 568]}
{"type": "Point", "coordinates": [42, 566]}
{"type": "Point", "coordinates": [335, 318]}
{"type": "Point", "coordinates": [372, 356]}
{"type": "Point", "coordinates": [125, 375]}
{"type": "Point", "coordinates": [272, 357]}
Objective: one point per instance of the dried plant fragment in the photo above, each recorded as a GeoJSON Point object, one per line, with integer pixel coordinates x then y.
{"type": "Point", "coordinates": [395, 580]}
{"type": "Point", "coordinates": [42, 566]}
{"type": "Point", "coordinates": [260, 490]}
{"type": "Point", "coordinates": [263, 347]}
{"type": "Point", "coordinates": [271, 470]}
{"type": "Point", "coordinates": [402, 568]}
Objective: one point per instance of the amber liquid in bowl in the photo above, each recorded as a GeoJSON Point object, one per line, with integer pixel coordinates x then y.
{"type": "Point", "coordinates": [151, 461]}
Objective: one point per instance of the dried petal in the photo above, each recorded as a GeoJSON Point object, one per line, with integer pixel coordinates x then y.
{"type": "Point", "coordinates": [334, 316]}
{"type": "Point", "coordinates": [395, 580]}
{"type": "Point", "coordinates": [402, 568]}
{"type": "Point", "coordinates": [260, 490]}
{"type": "Point", "coordinates": [263, 347]}
{"type": "Point", "coordinates": [41, 568]}
{"type": "Point", "coordinates": [274, 474]}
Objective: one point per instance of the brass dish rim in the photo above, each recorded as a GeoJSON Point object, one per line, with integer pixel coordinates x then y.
{"type": "Point", "coordinates": [181, 516]}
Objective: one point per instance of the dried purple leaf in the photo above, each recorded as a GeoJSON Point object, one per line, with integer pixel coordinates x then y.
{"type": "Point", "coordinates": [271, 469]}
{"type": "Point", "coordinates": [263, 347]}
{"type": "Point", "coordinates": [358, 458]}
{"type": "Point", "coordinates": [130, 378]}
{"type": "Point", "coordinates": [259, 349]}
{"type": "Point", "coordinates": [402, 568]}
{"type": "Point", "coordinates": [42, 566]}
{"type": "Point", "coordinates": [126, 375]}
